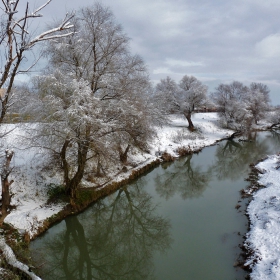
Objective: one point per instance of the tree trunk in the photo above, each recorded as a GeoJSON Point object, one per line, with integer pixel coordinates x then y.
{"type": "Point", "coordinates": [65, 165]}
{"type": "Point", "coordinates": [123, 155]}
{"type": "Point", "coordinates": [274, 125]}
{"type": "Point", "coordinates": [188, 117]}
{"type": "Point", "coordinates": [98, 168]}
{"type": "Point", "coordinates": [6, 196]}
{"type": "Point", "coordinates": [73, 183]}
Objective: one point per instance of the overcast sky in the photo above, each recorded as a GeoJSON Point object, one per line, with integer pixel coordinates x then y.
{"type": "Point", "coordinates": [213, 40]}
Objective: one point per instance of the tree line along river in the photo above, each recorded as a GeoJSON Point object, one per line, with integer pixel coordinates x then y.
{"type": "Point", "coordinates": [179, 221]}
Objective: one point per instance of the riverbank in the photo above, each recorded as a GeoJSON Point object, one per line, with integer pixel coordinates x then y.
{"type": "Point", "coordinates": [171, 141]}
{"type": "Point", "coordinates": [33, 214]}
{"type": "Point", "coordinates": [263, 239]}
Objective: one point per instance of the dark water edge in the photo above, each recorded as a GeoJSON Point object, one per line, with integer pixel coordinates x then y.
{"type": "Point", "coordinates": [179, 221]}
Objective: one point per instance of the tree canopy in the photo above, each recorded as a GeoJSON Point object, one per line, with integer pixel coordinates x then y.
{"type": "Point", "coordinates": [185, 97]}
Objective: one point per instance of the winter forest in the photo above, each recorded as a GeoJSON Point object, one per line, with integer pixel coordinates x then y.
{"type": "Point", "coordinates": [92, 108]}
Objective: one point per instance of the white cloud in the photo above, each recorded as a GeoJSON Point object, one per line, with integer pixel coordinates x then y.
{"type": "Point", "coordinates": [182, 63]}
{"type": "Point", "coordinates": [269, 46]}
{"type": "Point", "coordinates": [161, 70]}
{"type": "Point", "coordinates": [211, 40]}
{"type": "Point", "coordinates": [173, 64]}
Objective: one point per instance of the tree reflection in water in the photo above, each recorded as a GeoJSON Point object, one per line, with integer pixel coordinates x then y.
{"type": "Point", "coordinates": [233, 158]}
{"type": "Point", "coordinates": [183, 178]}
{"type": "Point", "coordinates": [232, 161]}
{"type": "Point", "coordinates": [114, 239]}
{"type": "Point", "coordinates": [274, 136]}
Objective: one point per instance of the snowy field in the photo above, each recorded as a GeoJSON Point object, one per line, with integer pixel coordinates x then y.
{"type": "Point", "coordinates": [30, 181]}
{"type": "Point", "coordinates": [264, 214]}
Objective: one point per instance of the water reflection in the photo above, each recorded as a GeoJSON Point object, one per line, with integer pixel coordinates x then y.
{"type": "Point", "coordinates": [122, 236]}
{"type": "Point", "coordinates": [274, 136]}
{"type": "Point", "coordinates": [233, 158]}
{"type": "Point", "coordinates": [231, 162]}
{"type": "Point", "coordinates": [115, 239]}
{"type": "Point", "coordinates": [182, 177]}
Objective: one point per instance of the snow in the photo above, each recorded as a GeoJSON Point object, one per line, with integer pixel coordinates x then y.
{"type": "Point", "coordinates": [171, 137]}
{"type": "Point", "coordinates": [12, 260]}
{"type": "Point", "coordinates": [29, 189]}
{"type": "Point", "coordinates": [31, 181]}
{"type": "Point", "coordinates": [263, 238]}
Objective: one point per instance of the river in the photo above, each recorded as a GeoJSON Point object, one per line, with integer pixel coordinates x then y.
{"type": "Point", "coordinates": [182, 220]}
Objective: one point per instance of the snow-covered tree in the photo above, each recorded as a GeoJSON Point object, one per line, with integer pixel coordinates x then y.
{"type": "Point", "coordinates": [258, 101]}
{"type": "Point", "coordinates": [240, 106]}
{"type": "Point", "coordinates": [274, 117]}
{"type": "Point", "coordinates": [231, 105]}
{"type": "Point", "coordinates": [92, 101]}
{"type": "Point", "coordinates": [16, 40]}
{"type": "Point", "coordinates": [165, 96]}
{"type": "Point", "coordinates": [187, 96]}
{"type": "Point", "coordinates": [192, 95]}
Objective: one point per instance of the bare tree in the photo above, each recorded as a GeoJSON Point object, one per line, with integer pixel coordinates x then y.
{"type": "Point", "coordinates": [16, 40]}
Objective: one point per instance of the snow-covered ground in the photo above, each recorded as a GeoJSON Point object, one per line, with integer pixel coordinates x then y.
{"type": "Point", "coordinates": [264, 214]}
{"type": "Point", "coordinates": [170, 138]}
{"type": "Point", "coordinates": [31, 182]}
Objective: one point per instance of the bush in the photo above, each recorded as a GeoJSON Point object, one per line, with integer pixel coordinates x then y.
{"type": "Point", "coordinates": [167, 157]}
{"type": "Point", "coordinates": [55, 192]}
{"type": "Point", "coordinates": [184, 134]}
{"type": "Point", "coordinates": [183, 151]}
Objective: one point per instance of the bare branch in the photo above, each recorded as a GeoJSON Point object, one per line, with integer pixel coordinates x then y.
{"type": "Point", "coordinates": [29, 68]}
{"type": "Point", "coordinates": [32, 43]}
{"type": "Point", "coordinates": [5, 5]}
{"type": "Point", "coordinates": [65, 25]}
{"type": "Point", "coordinates": [15, 36]}
{"type": "Point", "coordinates": [33, 14]}
{"type": "Point", "coordinates": [42, 7]}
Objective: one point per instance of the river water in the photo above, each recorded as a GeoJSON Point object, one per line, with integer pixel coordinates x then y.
{"type": "Point", "coordinates": [183, 220]}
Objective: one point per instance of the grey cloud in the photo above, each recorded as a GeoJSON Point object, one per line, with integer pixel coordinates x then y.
{"type": "Point", "coordinates": [228, 38]}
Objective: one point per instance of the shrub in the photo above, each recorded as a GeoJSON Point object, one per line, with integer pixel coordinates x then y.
{"type": "Point", "coordinates": [167, 157]}
{"type": "Point", "coordinates": [185, 134]}
{"type": "Point", "coordinates": [55, 192]}
{"type": "Point", "coordinates": [183, 151]}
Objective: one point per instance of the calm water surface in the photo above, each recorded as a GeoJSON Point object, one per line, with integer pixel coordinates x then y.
{"type": "Point", "coordinates": [177, 222]}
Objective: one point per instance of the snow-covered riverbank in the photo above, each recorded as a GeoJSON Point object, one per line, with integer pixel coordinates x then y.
{"type": "Point", "coordinates": [31, 182]}
{"type": "Point", "coordinates": [263, 240]}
